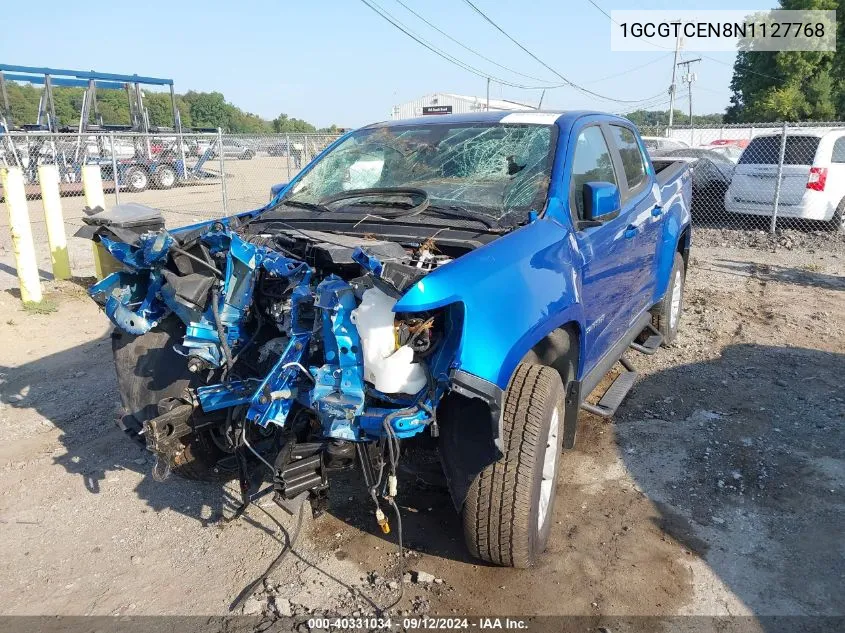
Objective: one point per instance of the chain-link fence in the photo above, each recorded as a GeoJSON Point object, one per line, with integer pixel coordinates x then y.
{"type": "Point", "coordinates": [190, 178]}
{"type": "Point", "coordinates": [178, 174]}
{"type": "Point", "coordinates": [771, 177]}
{"type": "Point", "coordinates": [748, 180]}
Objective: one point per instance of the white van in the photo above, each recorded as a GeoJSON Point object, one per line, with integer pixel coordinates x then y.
{"type": "Point", "coordinates": [813, 181]}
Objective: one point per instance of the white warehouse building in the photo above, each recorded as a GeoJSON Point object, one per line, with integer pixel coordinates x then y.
{"type": "Point", "coordinates": [449, 103]}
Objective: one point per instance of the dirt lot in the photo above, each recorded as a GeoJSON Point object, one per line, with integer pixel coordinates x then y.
{"type": "Point", "coordinates": [717, 490]}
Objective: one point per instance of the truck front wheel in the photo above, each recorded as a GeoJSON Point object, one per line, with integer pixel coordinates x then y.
{"type": "Point", "coordinates": [149, 370]}
{"type": "Point", "coordinates": [508, 512]}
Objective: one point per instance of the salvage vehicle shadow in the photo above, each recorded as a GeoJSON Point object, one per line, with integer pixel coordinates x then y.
{"type": "Point", "coordinates": [75, 390]}
{"type": "Point", "coordinates": [430, 524]}
{"type": "Point", "coordinates": [744, 458]}
{"type": "Point", "coordinates": [770, 272]}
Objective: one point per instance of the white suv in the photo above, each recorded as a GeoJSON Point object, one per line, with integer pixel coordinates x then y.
{"type": "Point", "coordinates": [812, 184]}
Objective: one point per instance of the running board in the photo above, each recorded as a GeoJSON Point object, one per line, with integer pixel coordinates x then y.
{"type": "Point", "coordinates": [615, 394]}
{"type": "Point", "coordinates": [652, 342]}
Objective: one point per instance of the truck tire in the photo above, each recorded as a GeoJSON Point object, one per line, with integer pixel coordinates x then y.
{"type": "Point", "coordinates": [148, 370]}
{"type": "Point", "coordinates": [136, 179]}
{"type": "Point", "coordinates": [666, 315]}
{"type": "Point", "coordinates": [507, 516]}
{"type": "Point", "coordinates": [164, 177]}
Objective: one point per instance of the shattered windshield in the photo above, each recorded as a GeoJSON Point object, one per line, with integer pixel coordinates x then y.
{"type": "Point", "coordinates": [501, 171]}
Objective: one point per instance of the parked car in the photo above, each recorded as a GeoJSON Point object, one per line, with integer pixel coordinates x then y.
{"type": "Point", "coordinates": [711, 175]}
{"type": "Point", "coordinates": [296, 150]}
{"type": "Point", "coordinates": [203, 145]}
{"type": "Point", "coordinates": [101, 147]}
{"type": "Point", "coordinates": [662, 143]}
{"type": "Point", "coordinates": [730, 152]}
{"type": "Point", "coordinates": [741, 143]}
{"type": "Point", "coordinates": [474, 280]}
{"type": "Point", "coordinates": [812, 185]}
{"type": "Point", "coordinates": [232, 148]}
{"type": "Point", "coordinates": [278, 149]}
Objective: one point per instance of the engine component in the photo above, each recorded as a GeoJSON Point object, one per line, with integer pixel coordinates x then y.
{"type": "Point", "coordinates": [427, 260]}
{"type": "Point", "coordinates": [416, 334]}
{"type": "Point", "coordinates": [299, 468]}
{"type": "Point", "coordinates": [391, 370]}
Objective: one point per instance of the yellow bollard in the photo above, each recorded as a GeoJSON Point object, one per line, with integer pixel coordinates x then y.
{"type": "Point", "coordinates": [14, 192]}
{"type": "Point", "coordinates": [92, 186]}
{"type": "Point", "coordinates": [48, 178]}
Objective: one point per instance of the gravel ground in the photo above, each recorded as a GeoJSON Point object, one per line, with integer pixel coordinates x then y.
{"type": "Point", "coordinates": [717, 490]}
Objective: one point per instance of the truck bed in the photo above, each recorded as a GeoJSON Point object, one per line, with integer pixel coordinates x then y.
{"type": "Point", "coordinates": [665, 169]}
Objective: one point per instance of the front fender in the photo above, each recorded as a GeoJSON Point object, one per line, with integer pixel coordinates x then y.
{"type": "Point", "coordinates": [514, 291]}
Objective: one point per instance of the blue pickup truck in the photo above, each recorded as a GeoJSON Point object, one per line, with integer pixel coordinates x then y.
{"type": "Point", "coordinates": [469, 278]}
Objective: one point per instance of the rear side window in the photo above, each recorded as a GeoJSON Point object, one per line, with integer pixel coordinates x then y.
{"type": "Point", "coordinates": [591, 163]}
{"type": "Point", "coordinates": [632, 157]}
{"type": "Point", "coordinates": [839, 151]}
{"type": "Point", "coordinates": [765, 150]}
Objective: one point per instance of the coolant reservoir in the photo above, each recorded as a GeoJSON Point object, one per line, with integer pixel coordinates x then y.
{"type": "Point", "coordinates": [391, 370]}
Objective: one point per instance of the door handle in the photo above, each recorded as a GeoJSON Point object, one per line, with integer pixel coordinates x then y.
{"type": "Point", "coordinates": [631, 231]}
{"type": "Point", "coordinates": [657, 211]}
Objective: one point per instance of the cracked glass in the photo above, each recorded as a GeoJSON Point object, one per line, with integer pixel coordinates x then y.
{"type": "Point", "coordinates": [499, 170]}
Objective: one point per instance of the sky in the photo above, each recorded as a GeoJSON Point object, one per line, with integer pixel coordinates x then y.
{"type": "Point", "coordinates": [338, 62]}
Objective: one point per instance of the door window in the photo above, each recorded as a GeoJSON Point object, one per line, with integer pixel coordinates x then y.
{"type": "Point", "coordinates": [590, 163]}
{"type": "Point", "coordinates": [839, 151]}
{"type": "Point", "coordinates": [632, 157]}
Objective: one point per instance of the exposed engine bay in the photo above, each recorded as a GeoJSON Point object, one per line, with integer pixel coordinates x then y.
{"type": "Point", "coordinates": [292, 340]}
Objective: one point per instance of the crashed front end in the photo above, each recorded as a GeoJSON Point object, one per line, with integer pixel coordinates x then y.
{"type": "Point", "coordinates": [292, 340]}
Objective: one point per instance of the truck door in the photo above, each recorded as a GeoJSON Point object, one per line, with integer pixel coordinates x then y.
{"type": "Point", "coordinates": [604, 249]}
{"type": "Point", "coordinates": [641, 208]}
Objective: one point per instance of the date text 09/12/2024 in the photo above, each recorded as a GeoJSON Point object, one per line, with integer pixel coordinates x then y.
{"type": "Point", "coordinates": [421, 623]}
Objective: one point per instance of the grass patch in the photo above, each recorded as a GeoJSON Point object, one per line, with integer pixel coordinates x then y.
{"type": "Point", "coordinates": [46, 306]}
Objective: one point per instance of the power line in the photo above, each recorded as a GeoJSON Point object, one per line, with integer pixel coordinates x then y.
{"type": "Point", "coordinates": [475, 52]}
{"type": "Point", "coordinates": [454, 60]}
{"type": "Point", "coordinates": [748, 70]}
{"type": "Point", "coordinates": [625, 72]}
{"type": "Point", "coordinates": [602, 10]}
{"type": "Point", "coordinates": [654, 105]}
{"type": "Point", "coordinates": [544, 64]}
{"type": "Point", "coordinates": [511, 70]}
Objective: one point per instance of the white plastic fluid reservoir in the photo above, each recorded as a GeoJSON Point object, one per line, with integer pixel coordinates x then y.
{"type": "Point", "coordinates": [391, 370]}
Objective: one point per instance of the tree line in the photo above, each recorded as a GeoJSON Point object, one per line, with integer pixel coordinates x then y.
{"type": "Point", "coordinates": [196, 109]}
{"type": "Point", "coordinates": [791, 85]}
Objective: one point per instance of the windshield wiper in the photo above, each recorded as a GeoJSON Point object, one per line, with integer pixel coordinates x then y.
{"type": "Point", "coordinates": [457, 211]}
{"type": "Point", "coordinates": [312, 206]}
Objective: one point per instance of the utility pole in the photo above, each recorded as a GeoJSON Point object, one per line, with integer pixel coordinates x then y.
{"type": "Point", "coordinates": [688, 79]}
{"type": "Point", "coordinates": [488, 94]}
{"type": "Point", "coordinates": [672, 85]}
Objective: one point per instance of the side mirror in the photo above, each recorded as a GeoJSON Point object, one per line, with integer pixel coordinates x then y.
{"type": "Point", "coordinates": [275, 189]}
{"type": "Point", "coordinates": [601, 203]}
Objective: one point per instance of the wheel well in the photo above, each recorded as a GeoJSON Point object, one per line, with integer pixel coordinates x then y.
{"type": "Point", "coordinates": [684, 245]}
{"type": "Point", "coordinates": [559, 349]}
